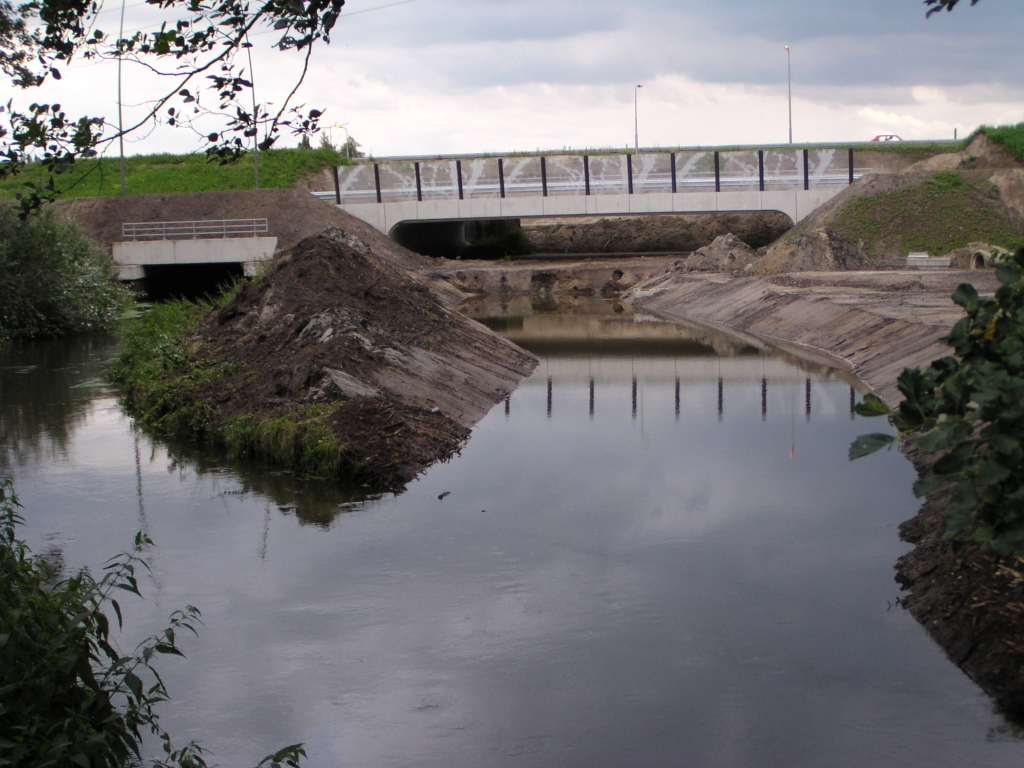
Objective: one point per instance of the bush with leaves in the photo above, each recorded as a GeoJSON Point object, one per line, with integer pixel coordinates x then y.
{"type": "Point", "coordinates": [53, 279]}
{"type": "Point", "coordinates": [68, 695]}
{"type": "Point", "coordinates": [969, 410]}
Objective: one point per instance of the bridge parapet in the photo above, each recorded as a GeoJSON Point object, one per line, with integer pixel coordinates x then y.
{"type": "Point", "coordinates": [175, 243]}
{"type": "Point", "coordinates": [386, 193]}
{"type": "Point", "coordinates": [469, 178]}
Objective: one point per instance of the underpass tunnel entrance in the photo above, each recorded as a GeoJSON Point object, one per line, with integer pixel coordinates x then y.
{"type": "Point", "coordinates": [475, 239]}
{"type": "Point", "coordinates": [188, 281]}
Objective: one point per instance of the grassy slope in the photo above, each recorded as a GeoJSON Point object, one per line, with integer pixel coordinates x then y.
{"type": "Point", "coordinates": [1009, 137]}
{"type": "Point", "coordinates": [162, 380]}
{"type": "Point", "coordinates": [164, 174]}
{"type": "Point", "coordinates": [944, 213]}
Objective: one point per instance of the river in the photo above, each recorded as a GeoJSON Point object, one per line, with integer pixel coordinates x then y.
{"type": "Point", "coordinates": [655, 553]}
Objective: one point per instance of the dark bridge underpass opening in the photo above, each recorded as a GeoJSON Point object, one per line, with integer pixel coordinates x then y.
{"type": "Point", "coordinates": [476, 239]}
{"type": "Point", "coordinates": [188, 281]}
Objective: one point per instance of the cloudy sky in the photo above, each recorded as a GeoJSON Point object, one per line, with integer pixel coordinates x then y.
{"type": "Point", "coordinates": [448, 76]}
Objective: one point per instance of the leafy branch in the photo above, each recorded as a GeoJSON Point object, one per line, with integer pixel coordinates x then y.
{"type": "Point", "coordinates": [198, 42]}
{"type": "Point", "coordinates": [968, 409]}
{"type": "Point", "coordinates": [68, 695]}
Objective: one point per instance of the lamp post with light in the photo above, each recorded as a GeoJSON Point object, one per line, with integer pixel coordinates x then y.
{"type": "Point", "coordinates": [636, 120]}
{"type": "Point", "coordinates": [789, 85]}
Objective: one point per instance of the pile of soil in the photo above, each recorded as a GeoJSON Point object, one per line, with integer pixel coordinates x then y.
{"type": "Point", "coordinates": [968, 600]}
{"type": "Point", "coordinates": [335, 321]}
{"type": "Point", "coordinates": [680, 233]}
{"type": "Point", "coordinates": [726, 254]}
{"type": "Point", "coordinates": [814, 250]}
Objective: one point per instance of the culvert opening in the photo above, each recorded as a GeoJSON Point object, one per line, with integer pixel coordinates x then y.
{"type": "Point", "coordinates": [188, 281]}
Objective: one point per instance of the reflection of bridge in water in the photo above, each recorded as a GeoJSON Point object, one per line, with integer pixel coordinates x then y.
{"type": "Point", "coordinates": [678, 375]}
{"type": "Point", "coordinates": [609, 352]}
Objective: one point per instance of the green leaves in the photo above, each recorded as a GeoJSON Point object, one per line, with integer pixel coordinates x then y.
{"type": "Point", "coordinates": [68, 696]}
{"type": "Point", "coordinates": [1007, 272]}
{"type": "Point", "coordinates": [872, 405]}
{"type": "Point", "coordinates": [968, 410]}
{"type": "Point", "coordinates": [868, 444]}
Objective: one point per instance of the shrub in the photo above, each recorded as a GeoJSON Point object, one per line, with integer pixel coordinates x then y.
{"type": "Point", "coordinates": [969, 410]}
{"type": "Point", "coordinates": [68, 695]}
{"type": "Point", "coordinates": [54, 280]}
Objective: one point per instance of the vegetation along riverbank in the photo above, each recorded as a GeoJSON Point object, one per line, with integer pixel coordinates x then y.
{"type": "Point", "coordinates": [335, 363]}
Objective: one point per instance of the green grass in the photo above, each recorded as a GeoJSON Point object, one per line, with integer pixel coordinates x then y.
{"type": "Point", "coordinates": [945, 213]}
{"type": "Point", "coordinates": [164, 381]}
{"type": "Point", "coordinates": [1009, 137]}
{"type": "Point", "coordinates": [165, 174]}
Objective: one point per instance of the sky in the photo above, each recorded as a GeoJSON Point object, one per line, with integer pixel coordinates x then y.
{"type": "Point", "coordinates": [428, 77]}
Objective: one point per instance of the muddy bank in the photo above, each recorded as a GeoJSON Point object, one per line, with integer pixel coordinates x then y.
{"type": "Point", "coordinates": [969, 601]}
{"type": "Point", "coordinates": [877, 322]}
{"type": "Point", "coordinates": [880, 323]}
{"type": "Point", "coordinates": [338, 362]}
{"type": "Point", "coordinates": [651, 234]}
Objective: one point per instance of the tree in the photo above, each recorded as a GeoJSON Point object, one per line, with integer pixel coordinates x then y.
{"type": "Point", "coordinates": [938, 5]}
{"type": "Point", "coordinates": [199, 40]}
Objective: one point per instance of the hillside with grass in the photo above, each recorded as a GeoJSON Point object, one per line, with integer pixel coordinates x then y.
{"type": "Point", "coordinates": [169, 174]}
{"type": "Point", "coordinates": [939, 205]}
{"type": "Point", "coordinates": [945, 211]}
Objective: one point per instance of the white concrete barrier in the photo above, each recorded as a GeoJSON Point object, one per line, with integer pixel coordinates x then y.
{"type": "Point", "coordinates": [132, 257]}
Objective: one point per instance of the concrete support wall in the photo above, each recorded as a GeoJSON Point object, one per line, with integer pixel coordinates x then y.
{"type": "Point", "coordinates": [131, 257]}
{"type": "Point", "coordinates": [797, 204]}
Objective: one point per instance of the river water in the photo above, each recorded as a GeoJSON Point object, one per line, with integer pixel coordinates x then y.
{"type": "Point", "coordinates": [655, 553]}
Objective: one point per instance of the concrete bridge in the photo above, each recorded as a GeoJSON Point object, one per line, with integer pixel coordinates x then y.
{"type": "Point", "coordinates": [389, 192]}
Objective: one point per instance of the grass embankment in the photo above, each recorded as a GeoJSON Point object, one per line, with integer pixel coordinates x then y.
{"type": "Point", "coordinates": [167, 174]}
{"type": "Point", "coordinates": [1009, 137]}
{"type": "Point", "coordinates": [173, 391]}
{"type": "Point", "coordinates": [945, 213]}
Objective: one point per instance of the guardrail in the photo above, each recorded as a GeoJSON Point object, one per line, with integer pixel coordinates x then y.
{"type": "Point", "coordinates": [570, 174]}
{"type": "Point", "coordinates": [211, 229]}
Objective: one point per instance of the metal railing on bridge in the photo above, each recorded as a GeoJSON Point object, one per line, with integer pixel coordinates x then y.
{"type": "Point", "coordinates": [211, 229]}
{"type": "Point", "coordinates": [563, 174]}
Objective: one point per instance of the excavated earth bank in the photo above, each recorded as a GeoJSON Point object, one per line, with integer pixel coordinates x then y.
{"type": "Point", "coordinates": [880, 323]}
{"type": "Point", "coordinates": [335, 324]}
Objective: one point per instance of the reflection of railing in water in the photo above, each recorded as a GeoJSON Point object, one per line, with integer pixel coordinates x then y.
{"type": "Point", "coordinates": [592, 386]}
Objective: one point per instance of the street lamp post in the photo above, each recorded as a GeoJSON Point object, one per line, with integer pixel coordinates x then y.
{"type": "Point", "coordinates": [120, 103]}
{"type": "Point", "coordinates": [789, 85]}
{"type": "Point", "coordinates": [636, 120]}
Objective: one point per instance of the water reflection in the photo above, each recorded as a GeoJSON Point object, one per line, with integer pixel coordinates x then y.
{"type": "Point", "coordinates": [46, 388]}
{"type": "Point", "coordinates": [312, 501]}
{"type": "Point", "coordinates": [642, 557]}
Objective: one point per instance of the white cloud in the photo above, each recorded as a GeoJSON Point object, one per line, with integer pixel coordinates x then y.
{"type": "Point", "coordinates": [448, 76]}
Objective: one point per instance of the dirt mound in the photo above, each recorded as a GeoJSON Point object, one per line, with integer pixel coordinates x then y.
{"type": "Point", "coordinates": [816, 250]}
{"type": "Point", "coordinates": [334, 324]}
{"type": "Point", "coordinates": [652, 234]}
{"type": "Point", "coordinates": [726, 254]}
